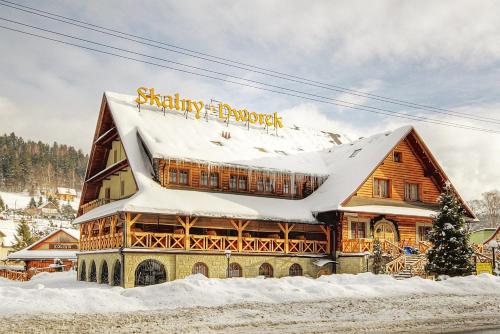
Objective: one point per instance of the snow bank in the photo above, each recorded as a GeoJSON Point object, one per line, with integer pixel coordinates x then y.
{"type": "Point", "coordinates": [60, 292]}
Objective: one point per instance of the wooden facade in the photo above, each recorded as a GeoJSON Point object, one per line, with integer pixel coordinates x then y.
{"type": "Point", "coordinates": [184, 233]}
{"type": "Point", "coordinates": [407, 177]}
{"type": "Point", "coordinates": [406, 171]}
{"type": "Point", "coordinates": [232, 179]}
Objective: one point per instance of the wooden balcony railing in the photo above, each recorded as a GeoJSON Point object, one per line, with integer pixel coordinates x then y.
{"type": "Point", "coordinates": [94, 204]}
{"type": "Point", "coordinates": [366, 245]}
{"type": "Point", "coordinates": [105, 241]}
{"type": "Point", "coordinates": [172, 241]}
{"type": "Point", "coordinates": [14, 275]}
{"type": "Point", "coordinates": [396, 265]}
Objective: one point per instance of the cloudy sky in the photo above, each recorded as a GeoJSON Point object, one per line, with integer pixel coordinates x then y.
{"type": "Point", "coordinates": [444, 54]}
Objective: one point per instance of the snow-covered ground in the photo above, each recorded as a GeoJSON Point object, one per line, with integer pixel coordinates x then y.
{"type": "Point", "coordinates": [60, 292]}
{"type": "Point", "coordinates": [365, 303]}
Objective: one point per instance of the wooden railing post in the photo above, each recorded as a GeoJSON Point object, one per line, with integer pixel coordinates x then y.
{"type": "Point", "coordinates": [129, 221]}
{"type": "Point", "coordinates": [286, 228]}
{"type": "Point", "coordinates": [187, 224]}
{"type": "Point", "coordinates": [240, 227]}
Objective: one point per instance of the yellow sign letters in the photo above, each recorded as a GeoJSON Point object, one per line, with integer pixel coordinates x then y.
{"type": "Point", "coordinates": [225, 111]}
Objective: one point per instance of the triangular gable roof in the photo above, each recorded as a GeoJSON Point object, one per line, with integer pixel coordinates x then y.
{"type": "Point", "coordinates": [48, 204]}
{"type": "Point", "coordinates": [352, 164]}
{"type": "Point", "coordinates": [75, 234]}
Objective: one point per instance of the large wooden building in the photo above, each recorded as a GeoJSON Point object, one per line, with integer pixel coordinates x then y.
{"type": "Point", "coordinates": [169, 193]}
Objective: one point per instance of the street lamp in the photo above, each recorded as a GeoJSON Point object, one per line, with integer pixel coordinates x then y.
{"type": "Point", "coordinates": [228, 257]}
{"type": "Point", "coordinates": [493, 244]}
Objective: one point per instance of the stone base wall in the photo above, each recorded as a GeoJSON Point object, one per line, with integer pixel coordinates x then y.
{"type": "Point", "coordinates": [99, 259]}
{"type": "Point", "coordinates": [353, 264]}
{"type": "Point", "coordinates": [181, 265]}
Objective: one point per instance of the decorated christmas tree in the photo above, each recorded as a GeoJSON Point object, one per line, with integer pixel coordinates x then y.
{"type": "Point", "coordinates": [450, 254]}
{"type": "Point", "coordinates": [378, 258]}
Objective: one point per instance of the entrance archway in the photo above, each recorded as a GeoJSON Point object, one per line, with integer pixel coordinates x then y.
{"type": "Point", "coordinates": [93, 273]}
{"type": "Point", "coordinates": [83, 271]}
{"type": "Point", "coordinates": [104, 273]}
{"type": "Point", "coordinates": [117, 273]}
{"type": "Point", "coordinates": [150, 272]}
{"type": "Point", "coordinates": [385, 230]}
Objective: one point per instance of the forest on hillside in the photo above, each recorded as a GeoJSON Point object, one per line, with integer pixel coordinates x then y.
{"type": "Point", "coordinates": [27, 165]}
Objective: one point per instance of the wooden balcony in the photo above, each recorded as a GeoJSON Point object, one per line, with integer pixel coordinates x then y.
{"type": "Point", "coordinates": [94, 204]}
{"type": "Point", "coordinates": [106, 241]}
{"type": "Point", "coordinates": [213, 243]}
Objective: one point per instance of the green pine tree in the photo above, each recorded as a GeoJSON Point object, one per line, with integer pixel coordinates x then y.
{"type": "Point", "coordinates": [450, 253]}
{"type": "Point", "coordinates": [32, 203]}
{"type": "Point", "coordinates": [23, 237]}
{"type": "Point", "coordinates": [40, 201]}
{"type": "Point", "coordinates": [378, 259]}
{"type": "Point", "coordinates": [2, 204]}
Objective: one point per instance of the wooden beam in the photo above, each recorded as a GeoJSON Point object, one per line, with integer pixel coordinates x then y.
{"type": "Point", "coordinates": [326, 230]}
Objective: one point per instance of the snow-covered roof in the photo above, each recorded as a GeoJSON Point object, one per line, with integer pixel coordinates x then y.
{"type": "Point", "coordinates": [393, 210]}
{"type": "Point", "coordinates": [72, 232]}
{"type": "Point", "coordinates": [349, 165]}
{"type": "Point", "coordinates": [288, 149]}
{"type": "Point", "coordinates": [66, 191]}
{"type": "Point", "coordinates": [42, 254]}
{"type": "Point", "coordinates": [175, 136]}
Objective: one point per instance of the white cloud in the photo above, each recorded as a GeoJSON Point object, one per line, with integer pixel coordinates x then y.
{"type": "Point", "coordinates": [435, 52]}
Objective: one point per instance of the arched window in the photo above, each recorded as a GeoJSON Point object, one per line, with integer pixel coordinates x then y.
{"type": "Point", "coordinates": [266, 270]}
{"type": "Point", "coordinates": [83, 272]}
{"type": "Point", "coordinates": [150, 272]}
{"type": "Point", "coordinates": [200, 268]}
{"type": "Point", "coordinates": [93, 274]}
{"type": "Point", "coordinates": [104, 273]}
{"type": "Point", "coordinates": [295, 270]}
{"type": "Point", "coordinates": [235, 270]}
{"type": "Point", "coordinates": [117, 273]}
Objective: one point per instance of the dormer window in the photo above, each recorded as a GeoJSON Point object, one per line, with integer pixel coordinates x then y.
{"type": "Point", "coordinates": [184, 177]}
{"type": "Point", "coordinates": [172, 176]}
{"type": "Point", "coordinates": [204, 179]}
{"type": "Point", "coordinates": [397, 156]}
{"type": "Point", "coordinates": [353, 154]}
{"type": "Point", "coordinates": [214, 180]}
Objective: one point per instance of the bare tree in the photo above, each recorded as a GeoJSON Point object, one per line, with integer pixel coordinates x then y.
{"type": "Point", "coordinates": [491, 202]}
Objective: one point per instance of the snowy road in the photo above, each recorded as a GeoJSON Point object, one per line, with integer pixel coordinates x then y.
{"type": "Point", "coordinates": [408, 314]}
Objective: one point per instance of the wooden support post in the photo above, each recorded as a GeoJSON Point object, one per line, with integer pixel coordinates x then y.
{"type": "Point", "coordinates": [286, 228]}
{"type": "Point", "coordinates": [326, 230]}
{"type": "Point", "coordinates": [82, 229]}
{"type": "Point", "coordinates": [129, 221]}
{"type": "Point", "coordinates": [187, 224]}
{"type": "Point", "coordinates": [240, 227]}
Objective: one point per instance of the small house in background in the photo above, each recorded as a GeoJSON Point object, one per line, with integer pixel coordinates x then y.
{"type": "Point", "coordinates": [59, 247]}
{"type": "Point", "coordinates": [65, 194]}
{"type": "Point", "coordinates": [48, 209]}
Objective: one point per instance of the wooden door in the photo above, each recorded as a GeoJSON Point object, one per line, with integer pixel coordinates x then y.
{"type": "Point", "coordinates": [385, 231]}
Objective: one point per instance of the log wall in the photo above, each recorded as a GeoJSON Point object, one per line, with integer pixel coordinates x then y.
{"type": "Point", "coordinates": [410, 170]}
